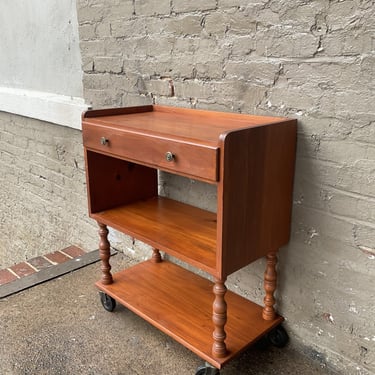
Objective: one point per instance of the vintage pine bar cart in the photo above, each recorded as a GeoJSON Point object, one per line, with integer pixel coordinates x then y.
{"type": "Point", "coordinates": [250, 159]}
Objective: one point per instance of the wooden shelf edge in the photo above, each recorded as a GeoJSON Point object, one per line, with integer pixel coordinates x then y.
{"type": "Point", "coordinates": [126, 219]}
{"type": "Point", "coordinates": [179, 303]}
{"type": "Point", "coordinates": [92, 113]}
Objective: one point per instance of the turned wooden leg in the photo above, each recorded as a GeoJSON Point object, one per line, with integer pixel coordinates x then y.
{"type": "Point", "coordinates": [156, 256]}
{"type": "Point", "coordinates": [270, 281]}
{"type": "Point", "coordinates": [105, 253]}
{"type": "Point", "coordinates": [219, 318]}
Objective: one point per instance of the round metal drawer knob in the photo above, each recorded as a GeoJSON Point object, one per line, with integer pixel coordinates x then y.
{"type": "Point", "coordinates": [169, 156]}
{"type": "Point", "coordinates": [104, 141]}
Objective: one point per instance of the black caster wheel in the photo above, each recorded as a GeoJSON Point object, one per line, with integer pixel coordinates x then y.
{"type": "Point", "coordinates": [108, 302]}
{"type": "Point", "coordinates": [278, 337]}
{"type": "Point", "coordinates": [263, 343]}
{"type": "Point", "coordinates": [207, 370]}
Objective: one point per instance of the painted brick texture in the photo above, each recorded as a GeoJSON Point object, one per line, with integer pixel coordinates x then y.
{"type": "Point", "coordinates": [43, 205]}
{"type": "Point", "coordinates": [311, 60]}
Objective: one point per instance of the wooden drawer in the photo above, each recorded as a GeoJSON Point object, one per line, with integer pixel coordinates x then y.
{"type": "Point", "coordinates": [196, 160]}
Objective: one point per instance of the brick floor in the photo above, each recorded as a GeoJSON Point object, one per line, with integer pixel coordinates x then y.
{"type": "Point", "coordinates": [6, 276]}
{"type": "Point", "coordinates": [57, 257]}
{"type": "Point", "coordinates": [39, 263]}
{"type": "Point", "coordinates": [73, 251]}
{"type": "Point", "coordinates": [23, 269]}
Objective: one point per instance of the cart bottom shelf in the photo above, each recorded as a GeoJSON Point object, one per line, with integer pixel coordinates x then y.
{"type": "Point", "coordinates": [179, 303]}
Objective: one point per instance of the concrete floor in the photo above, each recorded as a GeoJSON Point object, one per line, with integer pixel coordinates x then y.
{"type": "Point", "coordinates": [60, 327]}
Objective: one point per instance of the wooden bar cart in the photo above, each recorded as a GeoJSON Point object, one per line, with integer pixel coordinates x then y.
{"type": "Point", "coordinates": [250, 159]}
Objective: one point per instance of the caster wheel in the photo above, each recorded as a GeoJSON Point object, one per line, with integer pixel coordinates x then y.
{"type": "Point", "coordinates": [263, 343]}
{"type": "Point", "coordinates": [108, 302]}
{"type": "Point", "coordinates": [278, 337]}
{"type": "Point", "coordinates": [206, 370]}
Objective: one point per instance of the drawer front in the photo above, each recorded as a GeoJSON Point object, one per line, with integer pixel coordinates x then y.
{"type": "Point", "coordinates": [176, 156]}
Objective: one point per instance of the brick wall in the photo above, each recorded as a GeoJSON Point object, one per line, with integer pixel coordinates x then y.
{"type": "Point", "coordinates": [312, 60]}
{"type": "Point", "coordinates": [43, 204]}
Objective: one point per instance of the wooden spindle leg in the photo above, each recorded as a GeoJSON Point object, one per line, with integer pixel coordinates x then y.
{"type": "Point", "coordinates": [270, 281]}
{"type": "Point", "coordinates": [156, 256]}
{"type": "Point", "coordinates": [219, 318]}
{"type": "Point", "coordinates": [105, 253]}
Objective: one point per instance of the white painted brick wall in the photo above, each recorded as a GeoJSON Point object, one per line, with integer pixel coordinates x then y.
{"type": "Point", "coordinates": [43, 204]}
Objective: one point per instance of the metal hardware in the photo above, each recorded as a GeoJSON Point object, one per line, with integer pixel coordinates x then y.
{"type": "Point", "coordinates": [104, 141]}
{"type": "Point", "coordinates": [169, 156]}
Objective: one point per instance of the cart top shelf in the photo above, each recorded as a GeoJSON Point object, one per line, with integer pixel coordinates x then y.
{"type": "Point", "coordinates": [182, 123]}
